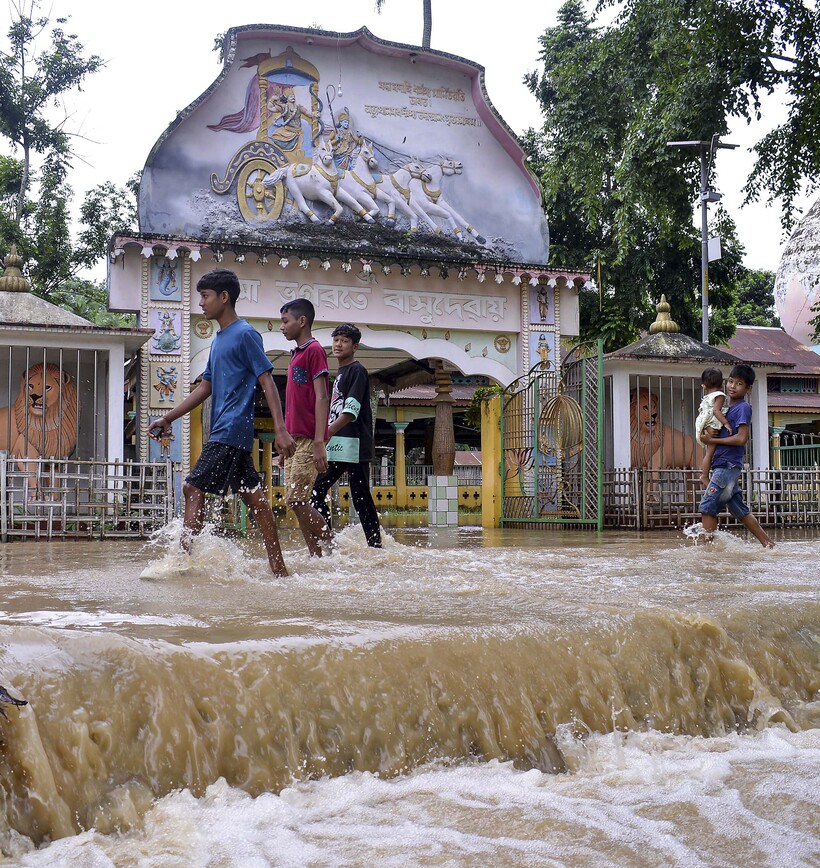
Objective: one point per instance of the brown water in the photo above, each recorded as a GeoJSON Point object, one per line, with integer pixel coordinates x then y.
{"type": "Point", "coordinates": [460, 697]}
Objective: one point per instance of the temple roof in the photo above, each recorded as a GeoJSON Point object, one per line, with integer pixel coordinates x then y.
{"type": "Point", "coordinates": [22, 311]}
{"type": "Point", "coordinates": [24, 308]}
{"type": "Point", "coordinates": [674, 347]}
{"type": "Point", "coordinates": [665, 343]}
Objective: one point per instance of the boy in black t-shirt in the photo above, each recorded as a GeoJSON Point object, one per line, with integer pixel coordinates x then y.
{"type": "Point", "coordinates": [350, 426]}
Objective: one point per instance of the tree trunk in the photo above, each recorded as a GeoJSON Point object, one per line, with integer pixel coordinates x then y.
{"type": "Point", "coordinates": [21, 199]}
{"type": "Point", "coordinates": [428, 23]}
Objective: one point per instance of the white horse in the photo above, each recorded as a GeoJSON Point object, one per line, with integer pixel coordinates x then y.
{"type": "Point", "coordinates": [320, 182]}
{"type": "Point", "coordinates": [370, 188]}
{"type": "Point", "coordinates": [399, 190]}
{"type": "Point", "coordinates": [359, 183]}
{"type": "Point", "coordinates": [426, 191]}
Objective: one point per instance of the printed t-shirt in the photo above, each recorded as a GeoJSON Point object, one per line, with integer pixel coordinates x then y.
{"type": "Point", "coordinates": [306, 364]}
{"type": "Point", "coordinates": [733, 456]}
{"type": "Point", "coordinates": [351, 394]}
{"type": "Point", "coordinates": [235, 363]}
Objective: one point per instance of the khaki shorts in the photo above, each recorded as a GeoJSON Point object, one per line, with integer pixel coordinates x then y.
{"type": "Point", "coordinates": [300, 473]}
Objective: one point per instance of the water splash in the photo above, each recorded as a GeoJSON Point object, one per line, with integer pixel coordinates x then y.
{"type": "Point", "coordinates": [212, 557]}
{"type": "Point", "coordinates": [720, 540]}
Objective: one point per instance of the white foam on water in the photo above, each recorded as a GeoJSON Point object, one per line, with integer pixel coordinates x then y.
{"type": "Point", "coordinates": [211, 558]}
{"type": "Point", "coordinates": [94, 620]}
{"type": "Point", "coordinates": [632, 799]}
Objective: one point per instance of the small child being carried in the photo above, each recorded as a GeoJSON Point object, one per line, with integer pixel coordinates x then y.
{"type": "Point", "coordinates": [710, 415]}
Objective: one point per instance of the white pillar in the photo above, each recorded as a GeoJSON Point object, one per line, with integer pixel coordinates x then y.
{"type": "Point", "coordinates": [116, 416]}
{"type": "Point", "coordinates": [621, 435]}
{"type": "Point", "coordinates": [760, 425]}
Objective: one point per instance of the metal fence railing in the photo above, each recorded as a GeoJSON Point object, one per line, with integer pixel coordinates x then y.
{"type": "Point", "coordinates": [416, 474]}
{"type": "Point", "coordinates": [655, 499]}
{"type": "Point", "coordinates": [792, 449]}
{"type": "Point", "coordinates": [49, 498]}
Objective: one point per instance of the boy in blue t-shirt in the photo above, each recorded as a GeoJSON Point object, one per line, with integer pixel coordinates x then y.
{"type": "Point", "coordinates": [236, 363]}
{"type": "Point", "coordinates": [727, 462]}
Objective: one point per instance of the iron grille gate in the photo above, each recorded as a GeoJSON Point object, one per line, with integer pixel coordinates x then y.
{"type": "Point", "coordinates": [552, 442]}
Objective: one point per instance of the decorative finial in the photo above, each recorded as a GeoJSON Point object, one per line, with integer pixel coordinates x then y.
{"type": "Point", "coordinates": [664, 322]}
{"type": "Point", "coordinates": [13, 280]}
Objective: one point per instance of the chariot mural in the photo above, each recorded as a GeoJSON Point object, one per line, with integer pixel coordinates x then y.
{"type": "Point", "coordinates": [414, 147]}
{"type": "Point", "coordinates": [302, 160]}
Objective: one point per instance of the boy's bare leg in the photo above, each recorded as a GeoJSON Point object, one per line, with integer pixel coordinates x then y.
{"type": "Point", "coordinates": [266, 522]}
{"type": "Point", "coordinates": [709, 524]}
{"type": "Point", "coordinates": [313, 527]}
{"type": "Point", "coordinates": [753, 526]}
{"type": "Point", "coordinates": [194, 516]}
{"type": "Point", "coordinates": [706, 464]}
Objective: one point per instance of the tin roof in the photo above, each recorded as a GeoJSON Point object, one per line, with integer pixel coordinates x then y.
{"type": "Point", "coordinates": [768, 345]}
{"type": "Point", "coordinates": [794, 402]}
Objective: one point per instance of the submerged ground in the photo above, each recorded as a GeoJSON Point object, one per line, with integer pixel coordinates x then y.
{"type": "Point", "coordinates": [413, 705]}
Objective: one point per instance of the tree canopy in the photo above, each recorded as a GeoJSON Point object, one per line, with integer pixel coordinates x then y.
{"type": "Point", "coordinates": [35, 194]}
{"type": "Point", "coordinates": [755, 305]}
{"type": "Point", "coordinates": [612, 98]}
{"type": "Point", "coordinates": [618, 200]}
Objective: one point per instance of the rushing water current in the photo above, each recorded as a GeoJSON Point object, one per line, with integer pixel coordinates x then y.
{"type": "Point", "coordinates": [460, 697]}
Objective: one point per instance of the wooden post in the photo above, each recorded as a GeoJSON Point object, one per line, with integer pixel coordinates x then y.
{"type": "Point", "coordinates": [444, 441]}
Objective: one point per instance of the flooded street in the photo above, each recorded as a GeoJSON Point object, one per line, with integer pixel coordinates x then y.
{"type": "Point", "coordinates": [460, 697]}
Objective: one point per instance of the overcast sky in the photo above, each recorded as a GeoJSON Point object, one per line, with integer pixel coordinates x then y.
{"type": "Point", "coordinates": [159, 58]}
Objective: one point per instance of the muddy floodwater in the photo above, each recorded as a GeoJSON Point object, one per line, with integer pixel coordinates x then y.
{"type": "Point", "coordinates": [460, 697]}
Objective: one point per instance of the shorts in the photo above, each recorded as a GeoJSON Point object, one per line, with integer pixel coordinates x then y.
{"type": "Point", "coordinates": [220, 466]}
{"type": "Point", "coordinates": [722, 491]}
{"type": "Point", "coordinates": [300, 473]}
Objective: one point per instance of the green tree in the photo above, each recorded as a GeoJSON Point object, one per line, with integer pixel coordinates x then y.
{"type": "Point", "coordinates": [815, 321]}
{"type": "Point", "coordinates": [32, 81]}
{"type": "Point", "coordinates": [35, 194]}
{"type": "Point", "coordinates": [700, 62]}
{"type": "Point", "coordinates": [88, 299]}
{"type": "Point", "coordinates": [613, 96]}
{"type": "Point", "coordinates": [615, 196]}
{"type": "Point", "coordinates": [756, 299]}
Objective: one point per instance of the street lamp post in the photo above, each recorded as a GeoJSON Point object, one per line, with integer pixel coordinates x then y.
{"type": "Point", "coordinates": [707, 150]}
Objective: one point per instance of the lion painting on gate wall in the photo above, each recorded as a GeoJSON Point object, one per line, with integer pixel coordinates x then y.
{"type": "Point", "coordinates": [655, 444]}
{"type": "Point", "coordinates": [43, 416]}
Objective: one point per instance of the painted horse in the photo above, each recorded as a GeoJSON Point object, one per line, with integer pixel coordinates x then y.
{"type": "Point", "coordinates": [319, 182]}
{"type": "Point", "coordinates": [426, 189]}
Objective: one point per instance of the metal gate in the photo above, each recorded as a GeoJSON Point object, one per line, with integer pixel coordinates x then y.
{"type": "Point", "coordinates": [552, 442]}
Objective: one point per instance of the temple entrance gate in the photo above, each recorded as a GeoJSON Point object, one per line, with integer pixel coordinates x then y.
{"type": "Point", "coordinates": [552, 442]}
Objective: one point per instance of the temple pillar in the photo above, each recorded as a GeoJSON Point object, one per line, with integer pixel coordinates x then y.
{"type": "Point", "coordinates": [621, 431]}
{"type": "Point", "coordinates": [444, 441]}
{"type": "Point", "coordinates": [491, 458]}
{"type": "Point", "coordinates": [442, 498]}
{"type": "Point", "coordinates": [401, 465]}
{"type": "Point", "coordinates": [760, 425]}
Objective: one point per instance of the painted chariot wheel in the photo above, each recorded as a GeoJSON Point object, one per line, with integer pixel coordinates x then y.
{"type": "Point", "coordinates": [257, 202]}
